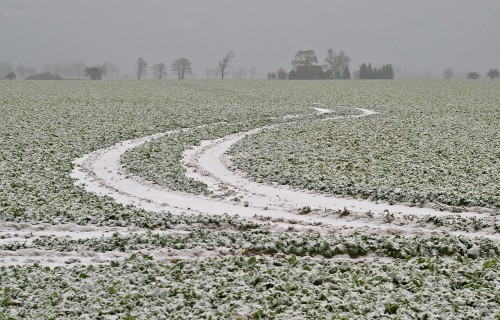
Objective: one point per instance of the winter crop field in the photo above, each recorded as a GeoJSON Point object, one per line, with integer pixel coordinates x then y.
{"type": "Point", "coordinates": [249, 199]}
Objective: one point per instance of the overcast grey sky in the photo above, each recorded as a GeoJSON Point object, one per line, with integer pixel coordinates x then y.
{"type": "Point", "coordinates": [413, 35]}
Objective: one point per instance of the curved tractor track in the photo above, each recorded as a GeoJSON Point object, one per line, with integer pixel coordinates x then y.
{"type": "Point", "coordinates": [101, 172]}
{"type": "Point", "coordinates": [275, 207]}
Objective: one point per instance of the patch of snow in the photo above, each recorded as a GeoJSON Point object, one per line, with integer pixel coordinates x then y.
{"type": "Point", "coordinates": [322, 110]}
{"type": "Point", "coordinates": [53, 258]}
{"type": "Point", "coordinates": [27, 233]}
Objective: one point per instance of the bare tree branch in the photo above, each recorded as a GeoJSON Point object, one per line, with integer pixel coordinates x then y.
{"type": "Point", "coordinates": [224, 63]}
{"type": "Point", "coordinates": [181, 67]}
{"type": "Point", "coordinates": [337, 62]}
{"type": "Point", "coordinates": [159, 70]}
{"type": "Point", "coordinates": [304, 58]}
{"type": "Point", "coordinates": [141, 68]}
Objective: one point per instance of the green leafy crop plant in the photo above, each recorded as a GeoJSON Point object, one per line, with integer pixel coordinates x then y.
{"type": "Point", "coordinates": [446, 129]}
{"type": "Point", "coordinates": [432, 143]}
{"type": "Point", "coordinates": [46, 125]}
{"type": "Point", "coordinates": [238, 287]}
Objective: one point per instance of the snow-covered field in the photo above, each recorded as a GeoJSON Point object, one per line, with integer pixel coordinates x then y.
{"type": "Point", "coordinates": [249, 199]}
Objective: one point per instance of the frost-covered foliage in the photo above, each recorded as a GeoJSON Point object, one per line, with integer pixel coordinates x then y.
{"type": "Point", "coordinates": [270, 271]}
{"type": "Point", "coordinates": [159, 161]}
{"type": "Point", "coordinates": [432, 143]}
{"type": "Point", "coordinates": [264, 242]}
{"type": "Point", "coordinates": [258, 288]}
{"type": "Point", "coordinates": [44, 126]}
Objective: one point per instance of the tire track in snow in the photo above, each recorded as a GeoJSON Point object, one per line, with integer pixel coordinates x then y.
{"type": "Point", "coordinates": [25, 233]}
{"type": "Point", "coordinates": [101, 172]}
{"type": "Point", "coordinates": [209, 163]}
{"type": "Point", "coordinates": [54, 258]}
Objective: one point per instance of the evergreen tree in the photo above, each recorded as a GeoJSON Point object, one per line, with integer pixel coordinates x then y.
{"type": "Point", "coordinates": [390, 72]}
{"type": "Point", "coordinates": [383, 72]}
{"type": "Point", "coordinates": [368, 72]}
{"type": "Point", "coordinates": [346, 73]}
{"type": "Point", "coordinates": [363, 71]}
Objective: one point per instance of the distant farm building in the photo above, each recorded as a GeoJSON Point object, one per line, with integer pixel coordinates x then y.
{"type": "Point", "coordinates": [309, 73]}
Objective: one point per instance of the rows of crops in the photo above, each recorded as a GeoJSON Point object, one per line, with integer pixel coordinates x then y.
{"type": "Point", "coordinates": [254, 268]}
{"type": "Point", "coordinates": [439, 147]}
{"type": "Point", "coordinates": [140, 288]}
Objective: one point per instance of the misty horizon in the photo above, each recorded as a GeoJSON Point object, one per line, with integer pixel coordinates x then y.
{"type": "Point", "coordinates": [418, 38]}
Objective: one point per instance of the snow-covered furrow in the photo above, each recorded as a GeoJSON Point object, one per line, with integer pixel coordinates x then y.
{"type": "Point", "coordinates": [210, 164]}
{"type": "Point", "coordinates": [101, 172]}
{"type": "Point", "coordinates": [27, 233]}
{"type": "Point", "coordinates": [54, 258]}
{"type": "Point", "coordinates": [273, 206]}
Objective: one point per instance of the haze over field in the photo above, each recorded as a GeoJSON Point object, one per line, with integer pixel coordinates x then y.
{"type": "Point", "coordinates": [415, 36]}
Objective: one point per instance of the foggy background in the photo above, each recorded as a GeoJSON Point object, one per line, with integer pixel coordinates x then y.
{"type": "Point", "coordinates": [417, 37]}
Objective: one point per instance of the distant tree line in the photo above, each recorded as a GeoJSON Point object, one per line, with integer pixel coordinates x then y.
{"type": "Point", "coordinates": [281, 74]}
{"type": "Point", "coordinates": [182, 67]}
{"type": "Point", "coordinates": [78, 70]}
{"type": "Point", "coordinates": [44, 76]}
{"type": "Point", "coordinates": [368, 72]}
{"type": "Point", "coordinates": [472, 75]}
{"type": "Point", "coordinates": [335, 66]}
{"type": "Point", "coordinates": [69, 70]}
{"type": "Point", "coordinates": [305, 65]}
{"type": "Point", "coordinates": [8, 71]}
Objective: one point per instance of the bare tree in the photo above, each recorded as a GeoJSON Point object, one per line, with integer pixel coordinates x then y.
{"type": "Point", "coordinates": [159, 70]}
{"type": "Point", "coordinates": [181, 67]}
{"type": "Point", "coordinates": [224, 63]}
{"type": "Point", "coordinates": [493, 73]}
{"type": "Point", "coordinates": [141, 68]}
{"type": "Point", "coordinates": [337, 62]}
{"type": "Point", "coordinates": [448, 73]}
{"type": "Point", "coordinates": [304, 58]}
